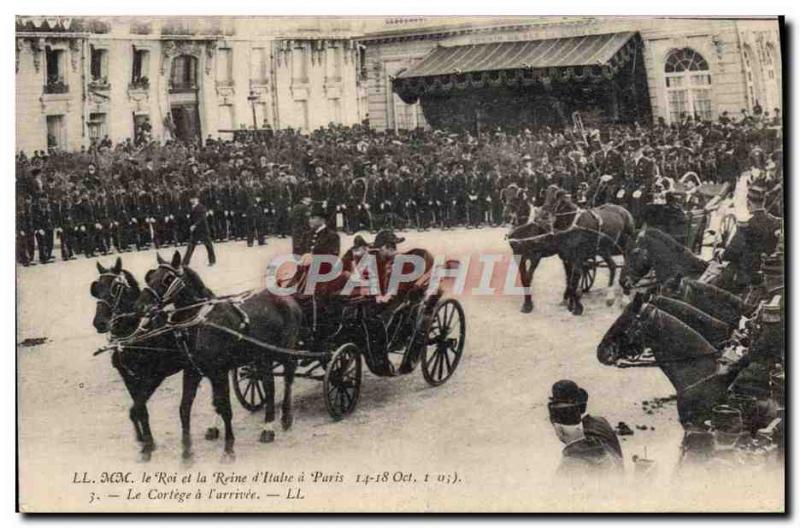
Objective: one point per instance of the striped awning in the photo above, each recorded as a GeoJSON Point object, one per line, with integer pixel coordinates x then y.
{"type": "Point", "coordinates": [589, 57]}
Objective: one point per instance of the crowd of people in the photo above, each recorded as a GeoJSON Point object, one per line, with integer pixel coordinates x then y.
{"type": "Point", "coordinates": [136, 194]}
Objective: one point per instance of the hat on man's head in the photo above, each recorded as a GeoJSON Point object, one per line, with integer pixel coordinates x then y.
{"type": "Point", "coordinates": [386, 237]}
{"type": "Point", "coordinates": [359, 241]}
{"type": "Point", "coordinates": [567, 403]}
{"type": "Point", "coordinates": [318, 209]}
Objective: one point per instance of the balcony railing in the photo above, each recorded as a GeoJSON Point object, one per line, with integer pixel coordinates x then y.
{"type": "Point", "coordinates": [182, 87]}
{"type": "Point", "coordinates": [56, 87]}
{"type": "Point", "coordinates": [99, 84]}
{"type": "Point", "coordinates": [142, 83]}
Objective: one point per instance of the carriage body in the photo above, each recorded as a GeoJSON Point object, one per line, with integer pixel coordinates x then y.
{"type": "Point", "coordinates": [419, 328]}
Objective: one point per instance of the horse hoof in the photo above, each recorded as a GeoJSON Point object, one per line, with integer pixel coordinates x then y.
{"type": "Point", "coordinates": [267, 437]}
{"type": "Point", "coordinates": [527, 308]}
{"type": "Point", "coordinates": [145, 456]}
{"type": "Point", "coordinates": [286, 422]}
{"type": "Point", "coordinates": [578, 310]}
{"type": "Point", "coordinates": [212, 433]}
{"type": "Point", "coordinates": [187, 457]}
{"type": "Point", "coordinates": [610, 302]}
{"type": "Point", "coordinates": [228, 457]}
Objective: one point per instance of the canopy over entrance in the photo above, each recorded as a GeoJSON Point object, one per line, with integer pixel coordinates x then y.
{"type": "Point", "coordinates": [598, 73]}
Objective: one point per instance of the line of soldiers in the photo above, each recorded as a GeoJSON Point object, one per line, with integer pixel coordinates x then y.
{"type": "Point", "coordinates": [122, 197]}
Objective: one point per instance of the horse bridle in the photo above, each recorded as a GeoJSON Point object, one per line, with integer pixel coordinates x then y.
{"type": "Point", "coordinates": [636, 331]}
{"type": "Point", "coordinates": [175, 286]}
{"type": "Point", "coordinates": [117, 287]}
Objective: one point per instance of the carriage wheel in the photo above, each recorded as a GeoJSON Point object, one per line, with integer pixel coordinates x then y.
{"type": "Point", "coordinates": [444, 346]}
{"type": "Point", "coordinates": [248, 387]}
{"type": "Point", "coordinates": [588, 274]}
{"type": "Point", "coordinates": [342, 383]}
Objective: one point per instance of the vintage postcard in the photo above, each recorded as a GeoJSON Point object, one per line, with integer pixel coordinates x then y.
{"type": "Point", "coordinates": [400, 264]}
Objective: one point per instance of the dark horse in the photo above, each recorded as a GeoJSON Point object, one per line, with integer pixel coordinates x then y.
{"type": "Point", "coordinates": [209, 341]}
{"type": "Point", "coordinates": [687, 359]}
{"type": "Point", "coordinates": [655, 250]}
{"type": "Point", "coordinates": [144, 363]}
{"type": "Point", "coordinates": [575, 235]}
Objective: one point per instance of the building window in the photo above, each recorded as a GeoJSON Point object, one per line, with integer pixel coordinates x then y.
{"type": "Point", "coordinates": [333, 63]}
{"type": "Point", "coordinates": [261, 115]}
{"type": "Point", "coordinates": [259, 65]}
{"type": "Point", "coordinates": [688, 82]}
{"type": "Point", "coordinates": [362, 63]}
{"type": "Point", "coordinates": [141, 67]}
{"type": "Point", "coordinates": [225, 66]}
{"type": "Point", "coordinates": [142, 129]}
{"type": "Point", "coordinates": [300, 56]}
{"type": "Point", "coordinates": [184, 74]}
{"type": "Point", "coordinates": [97, 127]}
{"type": "Point", "coordinates": [772, 79]}
{"type": "Point", "coordinates": [226, 118]}
{"type": "Point", "coordinates": [55, 70]}
{"type": "Point", "coordinates": [301, 116]}
{"type": "Point", "coordinates": [769, 62]}
{"type": "Point", "coordinates": [336, 110]}
{"type": "Point", "coordinates": [99, 66]}
{"type": "Point", "coordinates": [56, 134]}
{"type": "Point", "coordinates": [747, 56]}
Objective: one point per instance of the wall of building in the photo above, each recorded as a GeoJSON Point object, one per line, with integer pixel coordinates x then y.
{"type": "Point", "coordinates": [34, 106]}
{"type": "Point", "coordinates": [719, 41]}
{"type": "Point", "coordinates": [303, 83]}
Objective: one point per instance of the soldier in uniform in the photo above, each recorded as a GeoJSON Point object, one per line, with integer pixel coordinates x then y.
{"type": "Point", "coordinates": [26, 241]}
{"type": "Point", "coordinates": [255, 215]}
{"type": "Point", "coordinates": [85, 216]}
{"type": "Point", "coordinates": [43, 226]}
{"type": "Point", "coordinates": [758, 236]}
{"type": "Point", "coordinates": [198, 231]}
{"type": "Point", "coordinates": [591, 446]}
{"type": "Point", "coordinates": [103, 218]}
{"type": "Point", "coordinates": [62, 215]}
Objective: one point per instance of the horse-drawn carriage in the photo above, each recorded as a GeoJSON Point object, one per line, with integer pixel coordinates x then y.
{"type": "Point", "coordinates": [682, 209]}
{"type": "Point", "coordinates": [419, 327]}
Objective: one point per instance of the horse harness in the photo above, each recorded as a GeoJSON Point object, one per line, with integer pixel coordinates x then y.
{"type": "Point", "coordinates": [578, 212]}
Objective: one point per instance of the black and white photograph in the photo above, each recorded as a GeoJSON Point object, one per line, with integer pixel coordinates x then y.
{"type": "Point", "coordinates": [400, 264]}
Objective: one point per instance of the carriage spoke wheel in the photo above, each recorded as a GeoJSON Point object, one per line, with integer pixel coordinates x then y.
{"type": "Point", "coordinates": [588, 274]}
{"type": "Point", "coordinates": [444, 343]}
{"type": "Point", "coordinates": [342, 383]}
{"type": "Point", "coordinates": [248, 387]}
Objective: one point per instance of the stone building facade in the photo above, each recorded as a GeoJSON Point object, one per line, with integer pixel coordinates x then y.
{"type": "Point", "coordinates": [84, 78]}
{"type": "Point", "coordinates": [692, 66]}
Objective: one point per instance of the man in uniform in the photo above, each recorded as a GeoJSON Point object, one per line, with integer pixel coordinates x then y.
{"type": "Point", "coordinates": [759, 236]}
{"type": "Point", "coordinates": [198, 231]}
{"type": "Point", "coordinates": [43, 226]}
{"type": "Point", "coordinates": [591, 446]}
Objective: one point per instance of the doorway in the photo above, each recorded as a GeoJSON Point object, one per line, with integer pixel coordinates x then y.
{"type": "Point", "coordinates": [187, 122]}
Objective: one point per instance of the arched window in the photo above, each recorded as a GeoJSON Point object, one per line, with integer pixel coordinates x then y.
{"type": "Point", "coordinates": [688, 85]}
{"type": "Point", "coordinates": [184, 74]}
